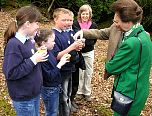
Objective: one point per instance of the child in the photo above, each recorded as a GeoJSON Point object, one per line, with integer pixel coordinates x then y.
{"type": "Point", "coordinates": [21, 65]}
{"type": "Point", "coordinates": [78, 62]}
{"type": "Point", "coordinates": [64, 45]}
{"type": "Point", "coordinates": [51, 73]}
{"type": "Point", "coordinates": [84, 21]}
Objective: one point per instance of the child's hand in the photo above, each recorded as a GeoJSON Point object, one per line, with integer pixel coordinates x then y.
{"type": "Point", "coordinates": [64, 59]}
{"type": "Point", "coordinates": [83, 42]}
{"type": "Point", "coordinates": [79, 45]}
{"type": "Point", "coordinates": [39, 57]}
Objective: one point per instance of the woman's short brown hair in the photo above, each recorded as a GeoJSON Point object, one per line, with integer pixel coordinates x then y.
{"type": "Point", "coordinates": [128, 10]}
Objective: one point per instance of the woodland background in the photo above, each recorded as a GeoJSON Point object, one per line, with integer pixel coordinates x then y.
{"type": "Point", "coordinates": [101, 89]}
{"type": "Point", "coordinates": [101, 8]}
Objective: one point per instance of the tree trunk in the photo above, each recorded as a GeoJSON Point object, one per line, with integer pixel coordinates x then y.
{"type": "Point", "coordinates": [48, 11]}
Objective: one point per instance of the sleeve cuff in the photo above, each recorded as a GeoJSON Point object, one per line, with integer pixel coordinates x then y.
{"type": "Point", "coordinates": [33, 60]}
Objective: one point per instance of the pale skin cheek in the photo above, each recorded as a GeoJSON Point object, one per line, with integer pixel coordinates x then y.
{"type": "Point", "coordinates": [51, 46]}
{"type": "Point", "coordinates": [34, 32]}
{"type": "Point", "coordinates": [122, 27]}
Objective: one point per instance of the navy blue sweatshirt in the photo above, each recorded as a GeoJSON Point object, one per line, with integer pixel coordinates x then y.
{"type": "Point", "coordinates": [23, 77]}
{"type": "Point", "coordinates": [51, 74]}
{"type": "Point", "coordinates": [62, 41]}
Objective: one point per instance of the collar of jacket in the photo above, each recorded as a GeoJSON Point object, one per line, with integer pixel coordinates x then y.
{"type": "Point", "coordinates": [134, 32]}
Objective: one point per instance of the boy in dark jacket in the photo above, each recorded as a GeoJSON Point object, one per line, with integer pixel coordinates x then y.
{"type": "Point", "coordinates": [64, 45]}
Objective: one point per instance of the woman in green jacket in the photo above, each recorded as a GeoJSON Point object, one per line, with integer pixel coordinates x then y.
{"type": "Point", "coordinates": [125, 63]}
{"type": "Point", "coordinates": [126, 52]}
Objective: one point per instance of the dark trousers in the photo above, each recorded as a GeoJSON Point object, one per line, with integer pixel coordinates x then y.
{"type": "Point", "coordinates": [75, 83]}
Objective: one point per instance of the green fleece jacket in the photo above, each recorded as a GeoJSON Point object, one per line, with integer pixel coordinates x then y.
{"type": "Point", "coordinates": [125, 63]}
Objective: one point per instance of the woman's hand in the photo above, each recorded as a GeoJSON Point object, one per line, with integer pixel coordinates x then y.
{"type": "Point", "coordinates": [78, 35]}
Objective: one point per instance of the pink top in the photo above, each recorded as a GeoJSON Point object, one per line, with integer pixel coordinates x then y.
{"type": "Point", "coordinates": [85, 25]}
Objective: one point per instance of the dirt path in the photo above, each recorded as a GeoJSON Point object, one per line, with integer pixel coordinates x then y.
{"type": "Point", "coordinates": [101, 90]}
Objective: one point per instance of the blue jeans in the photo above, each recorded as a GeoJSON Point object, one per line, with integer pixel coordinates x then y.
{"type": "Point", "coordinates": [50, 96]}
{"type": "Point", "coordinates": [65, 103]}
{"type": "Point", "coordinates": [27, 108]}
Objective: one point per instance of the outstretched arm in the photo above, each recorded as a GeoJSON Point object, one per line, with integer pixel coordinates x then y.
{"type": "Point", "coordinates": [102, 34]}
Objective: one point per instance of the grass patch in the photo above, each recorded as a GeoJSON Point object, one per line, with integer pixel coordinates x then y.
{"type": "Point", "coordinates": [5, 106]}
{"type": "Point", "coordinates": [104, 111]}
{"type": "Point", "coordinates": [6, 109]}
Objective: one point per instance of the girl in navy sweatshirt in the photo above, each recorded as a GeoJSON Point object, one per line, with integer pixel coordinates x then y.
{"type": "Point", "coordinates": [21, 62]}
{"type": "Point", "coordinates": [51, 73]}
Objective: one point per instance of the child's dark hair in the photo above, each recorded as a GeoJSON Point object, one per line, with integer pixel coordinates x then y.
{"type": "Point", "coordinates": [42, 35]}
{"type": "Point", "coordinates": [26, 13]}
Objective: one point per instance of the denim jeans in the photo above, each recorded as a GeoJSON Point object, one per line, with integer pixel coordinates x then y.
{"type": "Point", "coordinates": [27, 108]}
{"type": "Point", "coordinates": [50, 96]}
{"type": "Point", "coordinates": [65, 103]}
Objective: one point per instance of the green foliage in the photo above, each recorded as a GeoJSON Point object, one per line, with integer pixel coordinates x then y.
{"type": "Point", "coordinates": [147, 16]}
{"type": "Point", "coordinates": [2, 3]}
{"type": "Point", "coordinates": [98, 5]}
{"type": "Point", "coordinates": [15, 3]}
{"type": "Point", "coordinates": [81, 2]}
{"type": "Point", "coordinates": [105, 24]}
{"type": "Point", "coordinates": [101, 8]}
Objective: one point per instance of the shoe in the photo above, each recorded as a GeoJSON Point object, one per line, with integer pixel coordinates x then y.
{"type": "Point", "coordinates": [88, 98]}
{"type": "Point", "coordinates": [73, 109]}
{"type": "Point", "coordinates": [74, 105]}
